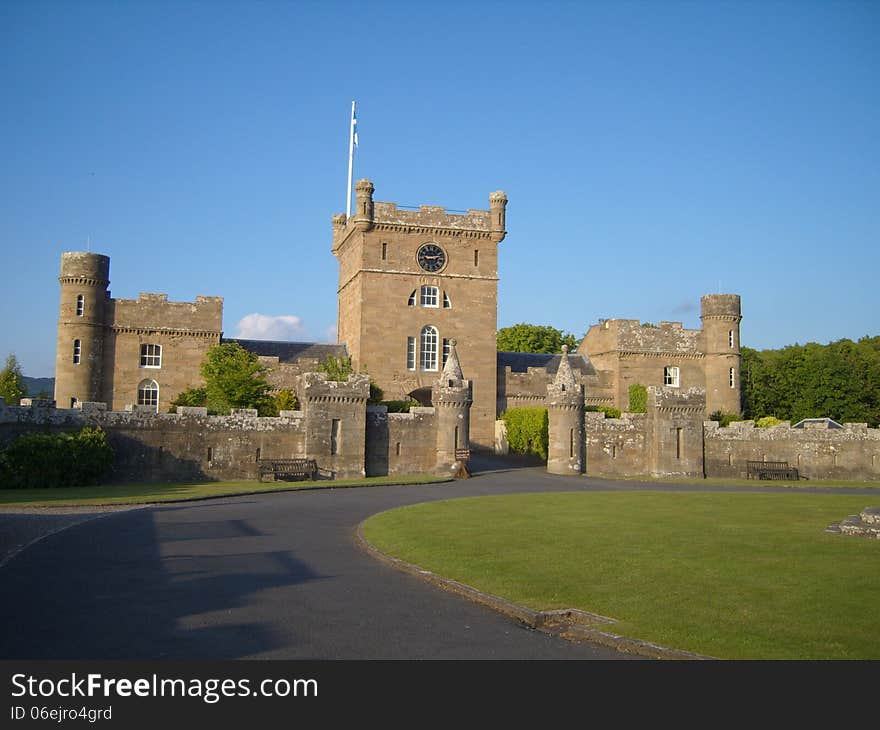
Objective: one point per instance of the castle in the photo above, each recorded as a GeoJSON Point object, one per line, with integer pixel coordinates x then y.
{"type": "Point", "coordinates": [412, 284]}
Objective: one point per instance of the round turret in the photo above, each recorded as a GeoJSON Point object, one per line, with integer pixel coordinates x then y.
{"type": "Point", "coordinates": [565, 420]}
{"type": "Point", "coordinates": [80, 346]}
{"type": "Point", "coordinates": [721, 315]}
{"type": "Point", "coordinates": [363, 213]}
{"type": "Point", "coordinates": [498, 206]}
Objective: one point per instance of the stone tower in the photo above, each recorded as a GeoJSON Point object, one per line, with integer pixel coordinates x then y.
{"type": "Point", "coordinates": [79, 353]}
{"type": "Point", "coordinates": [565, 414]}
{"type": "Point", "coordinates": [721, 317]}
{"type": "Point", "coordinates": [411, 281]}
{"type": "Point", "coordinates": [452, 396]}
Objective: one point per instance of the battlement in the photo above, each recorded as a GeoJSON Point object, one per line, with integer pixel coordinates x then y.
{"type": "Point", "coordinates": [630, 335]}
{"type": "Point", "coordinates": [153, 311]}
{"type": "Point", "coordinates": [430, 216]}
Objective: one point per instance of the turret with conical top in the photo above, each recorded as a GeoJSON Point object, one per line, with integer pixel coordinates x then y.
{"type": "Point", "coordinates": [565, 414]}
{"type": "Point", "coordinates": [452, 397]}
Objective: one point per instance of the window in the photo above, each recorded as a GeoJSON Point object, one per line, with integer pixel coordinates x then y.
{"type": "Point", "coordinates": [730, 338]}
{"type": "Point", "coordinates": [334, 436]}
{"type": "Point", "coordinates": [732, 378]}
{"type": "Point", "coordinates": [384, 251]}
{"type": "Point", "coordinates": [670, 376]}
{"type": "Point", "coordinates": [476, 257]}
{"type": "Point", "coordinates": [447, 304]}
{"type": "Point", "coordinates": [429, 348]}
{"type": "Point", "coordinates": [77, 351]}
{"type": "Point", "coordinates": [679, 442]}
{"type": "Point", "coordinates": [148, 394]}
{"type": "Point", "coordinates": [429, 296]}
{"type": "Point", "coordinates": [410, 353]}
{"type": "Point", "coordinates": [446, 347]}
{"type": "Point", "coordinates": [80, 305]}
{"type": "Point", "coordinates": [411, 302]}
{"type": "Point", "coordinates": [151, 356]}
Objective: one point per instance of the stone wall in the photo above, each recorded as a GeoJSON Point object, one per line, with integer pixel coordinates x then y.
{"type": "Point", "coordinates": [332, 428]}
{"type": "Point", "coordinates": [400, 443]}
{"type": "Point", "coordinates": [818, 452]}
{"type": "Point", "coordinates": [616, 447]}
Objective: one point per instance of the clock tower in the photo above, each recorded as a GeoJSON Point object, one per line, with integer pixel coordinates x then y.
{"type": "Point", "coordinates": [410, 282]}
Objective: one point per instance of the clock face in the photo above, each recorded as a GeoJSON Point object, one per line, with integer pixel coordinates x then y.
{"type": "Point", "coordinates": [431, 257]}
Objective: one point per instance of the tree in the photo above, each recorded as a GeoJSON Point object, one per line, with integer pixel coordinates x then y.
{"type": "Point", "coordinates": [12, 388]}
{"type": "Point", "coordinates": [285, 400]}
{"type": "Point", "coordinates": [534, 338]}
{"type": "Point", "coordinates": [339, 368]}
{"type": "Point", "coordinates": [234, 378]}
{"type": "Point", "coordinates": [638, 398]}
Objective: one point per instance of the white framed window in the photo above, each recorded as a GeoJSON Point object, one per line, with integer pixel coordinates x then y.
{"type": "Point", "coordinates": [429, 296]}
{"type": "Point", "coordinates": [732, 378]}
{"type": "Point", "coordinates": [446, 347]}
{"type": "Point", "coordinates": [447, 303]}
{"type": "Point", "coordinates": [148, 394]}
{"type": "Point", "coordinates": [151, 356]}
{"type": "Point", "coordinates": [411, 302]}
{"type": "Point", "coordinates": [77, 351]}
{"type": "Point", "coordinates": [730, 338]}
{"type": "Point", "coordinates": [80, 305]}
{"type": "Point", "coordinates": [410, 353]}
{"type": "Point", "coordinates": [671, 376]}
{"type": "Point", "coordinates": [428, 348]}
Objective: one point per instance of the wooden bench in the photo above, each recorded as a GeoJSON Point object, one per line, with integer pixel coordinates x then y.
{"type": "Point", "coordinates": [288, 469]}
{"type": "Point", "coordinates": [771, 470]}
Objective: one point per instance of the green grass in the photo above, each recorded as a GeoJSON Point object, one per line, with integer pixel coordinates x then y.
{"type": "Point", "coordinates": [174, 492]}
{"type": "Point", "coordinates": [738, 482]}
{"type": "Point", "coordinates": [730, 575]}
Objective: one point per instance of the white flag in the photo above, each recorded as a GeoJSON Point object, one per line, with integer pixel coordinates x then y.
{"type": "Point", "coordinates": [354, 127]}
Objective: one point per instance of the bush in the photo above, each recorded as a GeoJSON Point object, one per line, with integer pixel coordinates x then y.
{"type": "Point", "coordinates": [527, 430]}
{"type": "Point", "coordinates": [638, 398]}
{"type": "Point", "coordinates": [768, 422]}
{"type": "Point", "coordinates": [609, 411]}
{"type": "Point", "coordinates": [400, 406]}
{"type": "Point", "coordinates": [724, 419]}
{"type": "Point", "coordinates": [57, 460]}
{"type": "Point", "coordinates": [285, 400]}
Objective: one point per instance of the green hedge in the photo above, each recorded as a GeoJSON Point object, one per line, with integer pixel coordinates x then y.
{"type": "Point", "coordinates": [527, 430]}
{"type": "Point", "coordinates": [56, 460]}
{"type": "Point", "coordinates": [638, 398]}
{"type": "Point", "coordinates": [400, 406]}
{"type": "Point", "coordinates": [609, 411]}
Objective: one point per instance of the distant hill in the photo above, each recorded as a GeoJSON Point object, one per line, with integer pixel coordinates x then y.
{"type": "Point", "coordinates": [35, 386]}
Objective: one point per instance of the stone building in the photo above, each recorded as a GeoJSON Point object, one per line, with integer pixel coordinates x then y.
{"type": "Point", "coordinates": [625, 352]}
{"type": "Point", "coordinates": [411, 281]}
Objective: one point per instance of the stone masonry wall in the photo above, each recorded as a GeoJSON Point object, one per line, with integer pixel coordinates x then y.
{"type": "Point", "coordinates": [848, 453]}
{"type": "Point", "coordinates": [400, 443]}
{"type": "Point", "coordinates": [616, 447]}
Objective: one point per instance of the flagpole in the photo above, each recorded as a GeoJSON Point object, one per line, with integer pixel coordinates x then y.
{"type": "Point", "coordinates": [350, 159]}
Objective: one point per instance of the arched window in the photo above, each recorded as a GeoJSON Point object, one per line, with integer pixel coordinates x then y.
{"type": "Point", "coordinates": [411, 302]}
{"type": "Point", "coordinates": [80, 305]}
{"type": "Point", "coordinates": [77, 351]}
{"type": "Point", "coordinates": [428, 350]}
{"type": "Point", "coordinates": [429, 296]}
{"type": "Point", "coordinates": [148, 394]}
{"type": "Point", "coordinates": [447, 304]}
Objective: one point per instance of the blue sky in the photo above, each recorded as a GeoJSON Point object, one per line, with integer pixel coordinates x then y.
{"type": "Point", "coordinates": [652, 152]}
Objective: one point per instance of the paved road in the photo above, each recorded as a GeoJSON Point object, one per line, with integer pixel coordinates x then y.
{"type": "Point", "coordinates": [263, 576]}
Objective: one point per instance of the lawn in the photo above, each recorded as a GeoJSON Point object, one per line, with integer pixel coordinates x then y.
{"type": "Point", "coordinates": [150, 493]}
{"type": "Point", "coordinates": [730, 575]}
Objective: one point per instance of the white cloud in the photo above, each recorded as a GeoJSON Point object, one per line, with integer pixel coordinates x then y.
{"type": "Point", "coordinates": [265, 327]}
{"type": "Point", "coordinates": [331, 335]}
